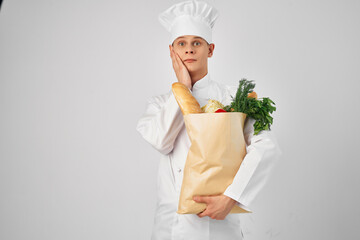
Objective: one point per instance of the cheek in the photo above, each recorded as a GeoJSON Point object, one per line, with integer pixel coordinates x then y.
{"type": "Point", "coordinates": [177, 53]}
{"type": "Point", "coordinates": [203, 58]}
{"type": "Point", "coordinates": [181, 57]}
{"type": "Point", "coordinates": [204, 55]}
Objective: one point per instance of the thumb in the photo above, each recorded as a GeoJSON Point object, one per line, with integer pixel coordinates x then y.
{"type": "Point", "coordinates": [202, 199]}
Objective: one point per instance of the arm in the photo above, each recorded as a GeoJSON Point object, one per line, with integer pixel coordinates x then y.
{"type": "Point", "coordinates": [163, 119]}
{"type": "Point", "coordinates": [161, 122]}
{"type": "Point", "coordinates": [263, 152]}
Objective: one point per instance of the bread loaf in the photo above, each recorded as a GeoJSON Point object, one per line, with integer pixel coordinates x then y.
{"type": "Point", "coordinates": [187, 103]}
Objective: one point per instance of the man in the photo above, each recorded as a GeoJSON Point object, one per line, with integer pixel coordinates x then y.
{"type": "Point", "coordinates": [162, 125]}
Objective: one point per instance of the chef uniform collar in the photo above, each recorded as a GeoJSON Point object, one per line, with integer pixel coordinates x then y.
{"type": "Point", "coordinates": [202, 83]}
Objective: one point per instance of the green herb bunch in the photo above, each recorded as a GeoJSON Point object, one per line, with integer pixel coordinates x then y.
{"type": "Point", "coordinates": [259, 109]}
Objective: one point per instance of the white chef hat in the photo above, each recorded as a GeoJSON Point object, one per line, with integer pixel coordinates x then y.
{"type": "Point", "coordinates": [189, 18]}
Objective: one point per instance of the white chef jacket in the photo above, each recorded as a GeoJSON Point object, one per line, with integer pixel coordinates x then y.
{"type": "Point", "coordinates": [162, 125]}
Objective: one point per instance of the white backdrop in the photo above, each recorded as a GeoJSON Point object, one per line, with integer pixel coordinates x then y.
{"type": "Point", "coordinates": [74, 79]}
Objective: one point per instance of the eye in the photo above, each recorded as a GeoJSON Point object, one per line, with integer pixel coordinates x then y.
{"type": "Point", "coordinates": [198, 43]}
{"type": "Point", "coordinates": [181, 43]}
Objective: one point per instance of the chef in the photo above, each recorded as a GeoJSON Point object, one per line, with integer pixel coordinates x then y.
{"type": "Point", "coordinates": [162, 125]}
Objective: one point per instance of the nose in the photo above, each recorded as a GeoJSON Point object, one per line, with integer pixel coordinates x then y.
{"type": "Point", "coordinates": [189, 50]}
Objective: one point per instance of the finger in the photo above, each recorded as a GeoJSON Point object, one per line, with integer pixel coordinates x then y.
{"type": "Point", "coordinates": [171, 52]}
{"type": "Point", "coordinates": [199, 214]}
{"type": "Point", "coordinates": [203, 213]}
{"type": "Point", "coordinates": [175, 55]}
{"type": "Point", "coordinates": [201, 199]}
{"type": "Point", "coordinates": [175, 63]}
{"type": "Point", "coordinates": [179, 61]}
{"type": "Point", "coordinates": [173, 58]}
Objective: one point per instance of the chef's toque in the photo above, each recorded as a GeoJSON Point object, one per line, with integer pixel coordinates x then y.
{"type": "Point", "coordinates": [189, 18]}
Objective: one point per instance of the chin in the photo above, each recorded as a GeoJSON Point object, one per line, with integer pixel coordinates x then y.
{"type": "Point", "coordinates": [191, 68]}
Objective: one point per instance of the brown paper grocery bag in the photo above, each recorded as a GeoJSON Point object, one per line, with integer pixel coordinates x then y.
{"type": "Point", "coordinates": [217, 149]}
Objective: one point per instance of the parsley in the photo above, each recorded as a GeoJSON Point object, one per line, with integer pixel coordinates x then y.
{"type": "Point", "coordinates": [258, 109]}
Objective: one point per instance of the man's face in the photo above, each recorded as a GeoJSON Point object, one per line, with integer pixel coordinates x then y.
{"type": "Point", "coordinates": [193, 47]}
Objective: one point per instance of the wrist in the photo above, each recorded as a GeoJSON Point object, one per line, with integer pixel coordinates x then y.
{"type": "Point", "coordinates": [229, 200]}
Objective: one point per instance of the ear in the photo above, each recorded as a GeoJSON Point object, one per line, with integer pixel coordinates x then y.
{"type": "Point", "coordinates": [211, 49]}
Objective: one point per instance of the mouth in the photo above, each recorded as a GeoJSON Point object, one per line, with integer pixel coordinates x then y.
{"type": "Point", "coordinates": [190, 60]}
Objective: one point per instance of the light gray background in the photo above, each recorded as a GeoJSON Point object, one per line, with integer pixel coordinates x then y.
{"type": "Point", "coordinates": [74, 79]}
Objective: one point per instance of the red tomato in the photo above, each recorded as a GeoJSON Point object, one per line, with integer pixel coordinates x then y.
{"type": "Point", "coordinates": [220, 110]}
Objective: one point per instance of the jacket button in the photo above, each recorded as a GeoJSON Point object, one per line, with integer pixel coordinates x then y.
{"type": "Point", "coordinates": [179, 170]}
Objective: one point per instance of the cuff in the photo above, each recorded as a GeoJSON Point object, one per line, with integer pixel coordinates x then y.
{"type": "Point", "coordinates": [238, 202]}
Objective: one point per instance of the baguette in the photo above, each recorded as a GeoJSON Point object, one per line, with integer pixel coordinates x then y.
{"type": "Point", "coordinates": [187, 103]}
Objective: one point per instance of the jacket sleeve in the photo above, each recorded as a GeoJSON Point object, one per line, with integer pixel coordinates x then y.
{"type": "Point", "coordinates": [161, 122]}
{"type": "Point", "coordinates": [263, 152]}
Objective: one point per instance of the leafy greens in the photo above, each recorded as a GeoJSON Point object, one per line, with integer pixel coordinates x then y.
{"type": "Point", "coordinates": [258, 109]}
